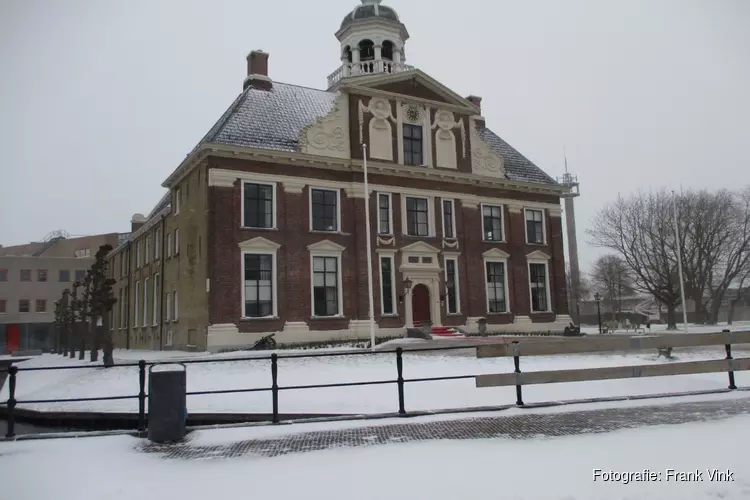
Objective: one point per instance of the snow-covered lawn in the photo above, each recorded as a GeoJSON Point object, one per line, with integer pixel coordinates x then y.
{"type": "Point", "coordinates": [533, 469]}
{"type": "Point", "coordinates": [120, 381]}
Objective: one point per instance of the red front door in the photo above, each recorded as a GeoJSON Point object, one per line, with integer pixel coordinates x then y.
{"type": "Point", "coordinates": [14, 338]}
{"type": "Point", "coordinates": [420, 303]}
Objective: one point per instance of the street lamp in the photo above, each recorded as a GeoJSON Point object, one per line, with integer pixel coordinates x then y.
{"type": "Point", "coordinates": [598, 299]}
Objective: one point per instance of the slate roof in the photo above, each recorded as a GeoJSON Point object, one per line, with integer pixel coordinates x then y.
{"type": "Point", "coordinates": [273, 119]}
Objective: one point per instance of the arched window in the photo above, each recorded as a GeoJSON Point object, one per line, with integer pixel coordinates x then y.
{"type": "Point", "coordinates": [347, 53]}
{"type": "Point", "coordinates": [366, 50]}
{"type": "Point", "coordinates": [387, 50]}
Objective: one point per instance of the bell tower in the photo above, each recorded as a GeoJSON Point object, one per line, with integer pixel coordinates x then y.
{"type": "Point", "coordinates": [372, 41]}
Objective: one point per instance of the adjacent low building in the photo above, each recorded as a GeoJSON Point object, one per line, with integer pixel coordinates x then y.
{"type": "Point", "coordinates": [263, 226]}
{"type": "Point", "coordinates": [32, 279]}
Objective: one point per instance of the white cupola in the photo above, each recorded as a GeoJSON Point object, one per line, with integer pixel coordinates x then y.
{"type": "Point", "coordinates": [372, 41]}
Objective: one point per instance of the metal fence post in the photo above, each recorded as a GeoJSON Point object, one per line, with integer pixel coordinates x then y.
{"type": "Point", "coordinates": [275, 386]}
{"type": "Point", "coordinates": [728, 347]}
{"type": "Point", "coordinates": [12, 371]}
{"type": "Point", "coordinates": [142, 396]}
{"type": "Point", "coordinates": [517, 365]}
{"type": "Point", "coordinates": [400, 379]}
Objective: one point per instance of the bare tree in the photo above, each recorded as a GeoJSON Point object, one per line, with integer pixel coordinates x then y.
{"type": "Point", "coordinates": [102, 301]}
{"type": "Point", "coordinates": [611, 278]}
{"type": "Point", "coordinates": [715, 234]}
{"type": "Point", "coordinates": [641, 230]}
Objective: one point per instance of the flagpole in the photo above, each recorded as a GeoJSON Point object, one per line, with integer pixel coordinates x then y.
{"type": "Point", "coordinates": [679, 260]}
{"type": "Point", "coordinates": [370, 298]}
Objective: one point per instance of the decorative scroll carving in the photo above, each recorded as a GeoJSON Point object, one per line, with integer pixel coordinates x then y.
{"type": "Point", "coordinates": [329, 135]}
{"type": "Point", "coordinates": [386, 241]}
{"type": "Point", "coordinates": [445, 140]}
{"type": "Point", "coordinates": [484, 161]}
{"type": "Point", "coordinates": [381, 137]}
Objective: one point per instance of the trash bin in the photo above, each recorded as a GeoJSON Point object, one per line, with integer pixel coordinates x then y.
{"type": "Point", "coordinates": [167, 409]}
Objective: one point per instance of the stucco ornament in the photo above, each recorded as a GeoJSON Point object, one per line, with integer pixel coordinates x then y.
{"type": "Point", "coordinates": [381, 138]}
{"type": "Point", "coordinates": [328, 136]}
{"type": "Point", "coordinates": [445, 140]}
{"type": "Point", "coordinates": [484, 161]}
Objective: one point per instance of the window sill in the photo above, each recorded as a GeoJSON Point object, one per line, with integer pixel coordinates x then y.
{"type": "Point", "coordinates": [536, 244]}
{"type": "Point", "coordinates": [393, 315]}
{"type": "Point", "coordinates": [498, 313]}
{"type": "Point", "coordinates": [318, 318]}
{"type": "Point", "coordinates": [263, 318]}
{"type": "Point", "coordinates": [541, 312]}
{"type": "Point", "coordinates": [494, 242]}
{"type": "Point", "coordinates": [453, 315]}
{"type": "Point", "coordinates": [318, 231]}
{"type": "Point", "coordinates": [249, 228]}
{"type": "Point", "coordinates": [415, 236]}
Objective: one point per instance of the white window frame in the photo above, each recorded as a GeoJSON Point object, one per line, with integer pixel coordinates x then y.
{"type": "Point", "coordinates": [454, 258]}
{"type": "Point", "coordinates": [145, 303]}
{"type": "Point", "coordinates": [138, 254]}
{"type": "Point", "coordinates": [339, 224]}
{"type": "Point", "coordinates": [502, 222]}
{"type": "Point", "coordinates": [391, 232]}
{"type": "Point", "coordinates": [146, 249]}
{"type": "Point", "coordinates": [544, 225]}
{"type": "Point", "coordinates": [168, 311]}
{"type": "Point", "coordinates": [536, 260]}
{"type": "Point", "coordinates": [430, 215]}
{"type": "Point", "coordinates": [273, 205]}
{"type": "Point", "coordinates": [176, 305]}
{"type": "Point", "coordinates": [340, 282]}
{"type": "Point", "coordinates": [157, 296]}
{"type": "Point", "coordinates": [177, 193]}
{"type": "Point", "coordinates": [453, 216]}
{"type": "Point", "coordinates": [496, 255]}
{"type": "Point", "coordinates": [168, 341]}
{"type": "Point", "coordinates": [169, 245]}
{"type": "Point", "coordinates": [274, 282]}
{"type": "Point", "coordinates": [176, 242]}
{"type": "Point", "coordinates": [136, 306]}
{"type": "Point", "coordinates": [157, 244]}
{"type": "Point", "coordinates": [392, 256]}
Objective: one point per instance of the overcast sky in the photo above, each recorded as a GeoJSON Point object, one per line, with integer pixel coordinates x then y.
{"type": "Point", "coordinates": [100, 99]}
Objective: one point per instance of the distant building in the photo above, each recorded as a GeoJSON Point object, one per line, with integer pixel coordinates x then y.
{"type": "Point", "coordinates": [32, 279]}
{"type": "Point", "coordinates": [263, 227]}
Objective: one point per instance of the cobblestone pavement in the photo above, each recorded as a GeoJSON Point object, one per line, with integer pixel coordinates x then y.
{"type": "Point", "coordinates": [513, 427]}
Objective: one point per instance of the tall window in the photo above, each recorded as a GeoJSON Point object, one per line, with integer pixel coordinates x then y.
{"type": "Point", "coordinates": [496, 300]}
{"type": "Point", "coordinates": [169, 245]}
{"type": "Point", "coordinates": [258, 286]}
{"type": "Point", "coordinates": [412, 145]}
{"type": "Point", "coordinates": [168, 309]}
{"type": "Point", "coordinates": [122, 308]}
{"type": "Point", "coordinates": [136, 303]}
{"type": "Point", "coordinates": [155, 319]}
{"type": "Point", "coordinates": [325, 286]}
{"type": "Point", "coordinates": [177, 201]}
{"type": "Point", "coordinates": [538, 283]}
{"type": "Point", "coordinates": [324, 205]}
{"type": "Point", "coordinates": [492, 222]}
{"type": "Point", "coordinates": [157, 243]}
{"type": "Point", "coordinates": [258, 205]}
{"type": "Point", "coordinates": [449, 220]}
{"type": "Point", "coordinates": [176, 305]}
{"type": "Point", "coordinates": [384, 213]}
{"type": "Point", "coordinates": [147, 245]}
{"type": "Point", "coordinates": [138, 254]}
{"type": "Point", "coordinates": [386, 281]}
{"type": "Point", "coordinates": [145, 303]}
{"type": "Point", "coordinates": [451, 286]}
{"type": "Point", "coordinates": [176, 241]}
{"type": "Point", "coordinates": [535, 226]}
{"type": "Point", "coordinates": [417, 220]}
{"type": "Point", "coordinates": [125, 294]}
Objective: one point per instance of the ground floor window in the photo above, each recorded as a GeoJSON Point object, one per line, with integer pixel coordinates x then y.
{"type": "Point", "coordinates": [538, 284]}
{"type": "Point", "coordinates": [496, 300]}
{"type": "Point", "coordinates": [325, 286]}
{"type": "Point", "coordinates": [258, 285]}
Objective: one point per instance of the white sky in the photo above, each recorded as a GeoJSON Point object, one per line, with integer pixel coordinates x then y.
{"type": "Point", "coordinates": [100, 99]}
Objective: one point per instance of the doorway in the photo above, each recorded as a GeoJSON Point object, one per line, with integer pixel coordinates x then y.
{"type": "Point", "coordinates": [13, 342]}
{"type": "Point", "coordinates": [420, 304]}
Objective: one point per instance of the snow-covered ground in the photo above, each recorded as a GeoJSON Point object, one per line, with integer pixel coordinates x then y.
{"type": "Point", "coordinates": [236, 374]}
{"type": "Point", "coordinates": [560, 468]}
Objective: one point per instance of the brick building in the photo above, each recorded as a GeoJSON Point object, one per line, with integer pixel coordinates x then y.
{"type": "Point", "coordinates": [263, 226]}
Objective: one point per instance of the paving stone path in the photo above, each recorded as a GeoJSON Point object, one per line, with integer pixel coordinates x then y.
{"type": "Point", "coordinates": [514, 427]}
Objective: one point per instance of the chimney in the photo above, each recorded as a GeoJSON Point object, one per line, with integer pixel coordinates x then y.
{"type": "Point", "coordinates": [476, 101]}
{"type": "Point", "coordinates": [136, 222]}
{"type": "Point", "coordinates": [257, 71]}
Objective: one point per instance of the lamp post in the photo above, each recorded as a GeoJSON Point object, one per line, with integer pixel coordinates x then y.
{"type": "Point", "coordinates": [370, 293]}
{"type": "Point", "coordinates": [598, 299]}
